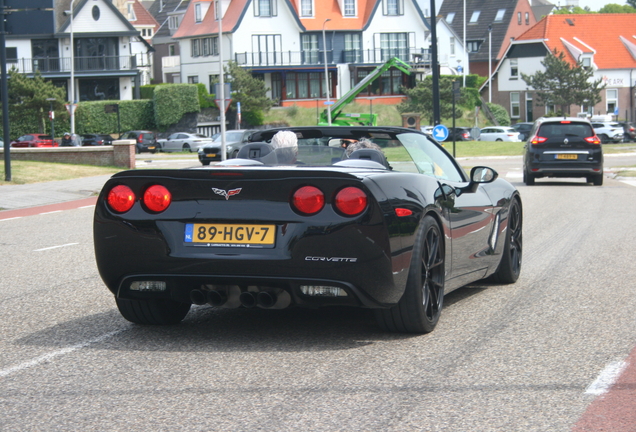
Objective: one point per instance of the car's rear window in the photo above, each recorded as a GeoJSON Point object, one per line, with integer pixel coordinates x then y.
{"type": "Point", "coordinates": [582, 130]}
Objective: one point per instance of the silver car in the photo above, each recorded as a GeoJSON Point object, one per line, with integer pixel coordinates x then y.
{"type": "Point", "coordinates": [608, 132]}
{"type": "Point", "coordinates": [182, 141]}
{"type": "Point", "coordinates": [499, 133]}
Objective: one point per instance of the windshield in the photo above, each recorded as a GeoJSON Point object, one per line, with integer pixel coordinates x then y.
{"type": "Point", "coordinates": [404, 152]}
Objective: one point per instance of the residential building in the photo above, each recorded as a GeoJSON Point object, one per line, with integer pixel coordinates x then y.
{"type": "Point", "coordinates": [285, 43]}
{"type": "Point", "coordinates": [488, 27]}
{"type": "Point", "coordinates": [167, 61]}
{"type": "Point", "coordinates": [603, 42]}
{"type": "Point", "coordinates": [103, 66]}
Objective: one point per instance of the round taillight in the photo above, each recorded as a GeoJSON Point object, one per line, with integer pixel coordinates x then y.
{"type": "Point", "coordinates": [351, 201]}
{"type": "Point", "coordinates": [121, 198]}
{"type": "Point", "coordinates": [308, 200]}
{"type": "Point", "coordinates": [157, 198]}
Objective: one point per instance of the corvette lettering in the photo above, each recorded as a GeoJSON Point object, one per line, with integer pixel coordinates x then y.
{"type": "Point", "coordinates": [331, 259]}
{"type": "Point", "coordinates": [227, 194]}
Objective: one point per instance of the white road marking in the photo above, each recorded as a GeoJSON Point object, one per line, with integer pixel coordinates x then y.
{"type": "Point", "coordinates": [629, 182]}
{"type": "Point", "coordinates": [46, 357]}
{"type": "Point", "coordinates": [17, 217]}
{"type": "Point", "coordinates": [88, 206]}
{"type": "Point", "coordinates": [606, 378]}
{"type": "Point", "coordinates": [54, 211]}
{"type": "Point", "coordinates": [512, 174]}
{"type": "Point", "coordinates": [55, 247]}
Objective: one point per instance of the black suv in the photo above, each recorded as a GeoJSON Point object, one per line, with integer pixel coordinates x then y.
{"type": "Point", "coordinates": [96, 139]}
{"type": "Point", "coordinates": [563, 147]}
{"type": "Point", "coordinates": [146, 141]}
{"type": "Point", "coordinates": [523, 129]}
{"type": "Point", "coordinates": [460, 133]}
{"type": "Point", "coordinates": [630, 131]}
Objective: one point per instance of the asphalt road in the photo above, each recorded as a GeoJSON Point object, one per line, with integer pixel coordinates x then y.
{"type": "Point", "coordinates": [521, 357]}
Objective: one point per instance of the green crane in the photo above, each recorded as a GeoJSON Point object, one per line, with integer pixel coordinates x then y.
{"type": "Point", "coordinates": [350, 119]}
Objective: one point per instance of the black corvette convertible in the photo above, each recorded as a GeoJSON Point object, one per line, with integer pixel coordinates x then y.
{"type": "Point", "coordinates": [392, 228]}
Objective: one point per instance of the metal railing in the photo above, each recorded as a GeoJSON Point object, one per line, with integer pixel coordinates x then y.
{"type": "Point", "coordinates": [316, 57]}
{"type": "Point", "coordinates": [63, 64]}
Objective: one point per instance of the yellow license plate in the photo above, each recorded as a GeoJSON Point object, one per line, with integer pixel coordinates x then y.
{"type": "Point", "coordinates": [245, 235]}
{"type": "Point", "coordinates": [211, 155]}
{"type": "Point", "coordinates": [567, 156]}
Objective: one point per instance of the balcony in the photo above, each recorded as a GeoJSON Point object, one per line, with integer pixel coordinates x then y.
{"type": "Point", "coordinates": [82, 64]}
{"type": "Point", "coordinates": [316, 57]}
{"type": "Point", "coordinates": [171, 63]}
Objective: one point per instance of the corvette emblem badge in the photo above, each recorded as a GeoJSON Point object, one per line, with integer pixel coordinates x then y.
{"type": "Point", "coordinates": [227, 194]}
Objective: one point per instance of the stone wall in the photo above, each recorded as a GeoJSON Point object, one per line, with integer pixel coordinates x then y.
{"type": "Point", "coordinates": [120, 154]}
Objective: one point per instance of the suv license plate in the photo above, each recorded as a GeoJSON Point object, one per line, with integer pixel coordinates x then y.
{"type": "Point", "coordinates": [567, 156]}
{"type": "Point", "coordinates": [230, 235]}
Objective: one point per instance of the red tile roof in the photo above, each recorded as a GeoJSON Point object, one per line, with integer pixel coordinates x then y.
{"type": "Point", "coordinates": [144, 18]}
{"type": "Point", "coordinates": [601, 34]}
{"type": "Point", "coordinates": [329, 9]}
{"type": "Point", "coordinates": [208, 24]}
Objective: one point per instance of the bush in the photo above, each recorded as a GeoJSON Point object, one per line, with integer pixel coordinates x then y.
{"type": "Point", "coordinates": [173, 101]}
{"type": "Point", "coordinates": [500, 114]}
{"type": "Point", "coordinates": [205, 100]}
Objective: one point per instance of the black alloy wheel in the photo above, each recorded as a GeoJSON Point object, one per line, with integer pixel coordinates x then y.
{"type": "Point", "coordinates": [420, 307]}
{"type": "Point", "coordinates": [510, 264]}
{"type": "Point", "coordinates": [186, 148]}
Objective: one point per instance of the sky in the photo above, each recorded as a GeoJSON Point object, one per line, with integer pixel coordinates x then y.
{"type": "Point", "coordinates": [594, 5]}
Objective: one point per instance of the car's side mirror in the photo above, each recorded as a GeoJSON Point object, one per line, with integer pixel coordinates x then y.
{"type": "Point", "coordinates": [479, 175]}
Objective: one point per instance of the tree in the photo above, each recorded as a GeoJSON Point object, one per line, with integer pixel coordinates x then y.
{"type": "Point", "coordinates": [250, 92]}
{"type": "Point", "coordinates": [563, 85]}
{"type": "Point", "coordinates": [420, 99]}
{"type": "Point", "coordinates": [632, 3]}
{"type": "Point", "coordinates": [572, 10]}
{"type": "Point", "coordinates": [616, 8]}
{"type": "Point", "coordinates": [28, 104]}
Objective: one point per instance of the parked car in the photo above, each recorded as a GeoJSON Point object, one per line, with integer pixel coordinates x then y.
{"type": "Point", "coordinates": [183, 141]}
{"type": "Point", "coordinates": [629, 131]}
{"type": "Point", "coordinates": [96, 139]}
{"type": "Point", "coordinates": [460, 133]}
{"type": "Point", "coordinates": [524, 129]}
{"type": "Point", "coordinates": [234, 140]}
{"type": "Point", "coordinates": [499, 133]}
{"type": "Point", "coordinates": [317, 230]}
{"type": "Point", "coordinates": [563, 147]}
{"type": "Point", "coordinates": [608, 132]}
{"type": "Point", "coordinates": [146, 141]}
{"type": "Point", "coordinates": [34, 140]}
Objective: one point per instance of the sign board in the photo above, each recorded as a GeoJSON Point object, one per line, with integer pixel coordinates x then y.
{"type": "Point", "coordinates": [111, 108]}
{"type": "Point", "coordinates": [456, 90]}
{"type": "Point", "coordinates": [460, 69]}
{"type": "Point", "coordinates": [223, 104]}
{"type": "Point", "coordinates": [440, 132]}
{"type": "Point", "coordinates": [475, 133]}
{"type": "Point", "coordinates": [68, 107]}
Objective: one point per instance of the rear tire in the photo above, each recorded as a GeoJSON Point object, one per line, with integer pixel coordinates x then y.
{"type": "Point", "coordinates": [420, 307]}
{"type": "Point", "coordinates": [597, 180]}
{"type": "Point", "coordinates": [604, 138]}
{"type": "Point", "coordinates": [528, 178]}
{"type": "Point", "coordinates": [153, 312]}
{"type": "Point", "coordinates": [186, 148]}
{"type": "Point", "coordinates": [510, 264]}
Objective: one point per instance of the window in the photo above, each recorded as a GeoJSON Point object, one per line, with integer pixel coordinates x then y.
{"type": "Point", "coordinates": [450, 17]}
{"type": "Point", "coordinates": [394, 45]}
{"type": "Point", "coordinates": [586, 62]}
{"type": "Point", "coordinates": [393, 7]}
{"type": "Point", "coordinates": [196, 47]}
{"type": "Point", "coordinates": [265, 8]}
{"type": "Point", "coordinates": [500, 15]}
{"type": "Point", "coordinates": [353, 48]}
{"type": "Point", "coordinates": [193, 79]}
{"type": "Point", "coordinates": [527, 18]}
{"type": "Point", "coordinates": [519, 18]}
{"type": "Point", "coordinates": [197, 13]}
{"type": "Point", "coordinates": [452, 46]}
{"type": "Point", "coordinates": [611, 95]}
{"type": "Point", "coordinates": [131, 12]}
{"type": "Point", "coordinates": [514, 69]}
{"type": "Point", "coordinates": [12, 55]}
{"type": "Point", "coordinates": [305, 85]}
{"type": "Point", "coordinates": [473, 46]}
{"type": "Point", "coordinates": [173, 22]}
{"type": "Point", "coordinates": [475, 17]}
{"type": "Point", "coordinates": [306, 8]}
{"type": "Point", "coordinates": [514, 105]}
{"type": "Point", "coordinates": [389, 83]}
{"type": "Point", "coordinates": [309, 44]}
{"type": "Point", "coordinates": [349, 8]}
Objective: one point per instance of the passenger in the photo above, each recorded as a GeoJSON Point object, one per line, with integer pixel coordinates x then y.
{"type": "Point", "coordinates": [285, 144]}
{"type": "Point", "coordinates": [67, 141]}
{"type": "Point", "coordinates": [363, 143]}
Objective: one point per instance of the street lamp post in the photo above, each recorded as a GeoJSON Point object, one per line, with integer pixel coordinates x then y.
{"type": "Point", "coordinates": [72, 90]}
{"type": "Point", "coordinates": [324, 47]}
{"type": "Point", "coordinates": [490, 63]}
{"type": "Point", "coordinates": [52, 117]}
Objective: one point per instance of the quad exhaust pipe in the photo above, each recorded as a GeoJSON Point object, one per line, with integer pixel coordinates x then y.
{"type": "Point", "coordinates": [232, 297]}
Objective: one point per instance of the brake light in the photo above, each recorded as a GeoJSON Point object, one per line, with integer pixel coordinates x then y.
{"type": "Point", "coordinates": [308, 200]}
{"type": "Point", "coordinates": [140, 138]}
{"type": "Point", "coordinates": [351, 201]}
{"type": "Point", "coordinates": [565, 121]}
{"type": "Point", "coordinates": [121, 198]}
{"type": "Point", "coordinates": [157, 198]}
{"type": "Point", "coordinates": [593, 140]}
{"type": "Point", "coordinates": [538, 140]}
{"type": "Point", "coordinates": [465, 135]}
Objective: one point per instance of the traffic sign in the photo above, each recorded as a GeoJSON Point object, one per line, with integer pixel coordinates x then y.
{"type": "Point", "coordinates": [223, 104]}
{"type": "Point", "coordinates": [440, 132]}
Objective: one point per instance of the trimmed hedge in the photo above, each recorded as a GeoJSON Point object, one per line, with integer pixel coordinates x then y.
{"type": "Point", "coordinates": [173, 101]}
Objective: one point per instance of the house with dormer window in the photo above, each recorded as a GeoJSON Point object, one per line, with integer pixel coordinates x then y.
{"type": "Point", "coordinates": [605, 43]}
{"type": "Point", "coordinates": [167, 59]}
{"type": "Point", "coordinates": [104, 65]}
{"type": "Point", "coordinates": [286, 43]}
